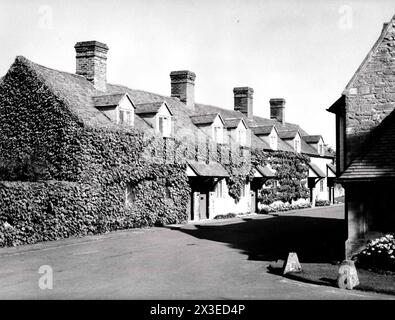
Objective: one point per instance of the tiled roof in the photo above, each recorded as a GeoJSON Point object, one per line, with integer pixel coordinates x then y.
{"type": "Point", "coordinates": [317, 170]}
{"type": "Point", "coordinates": [232, 123]}
{"type": "Point", "coordinates": [211, 169]}
{"type": "Point", "coordinates": [78, 93]}
{"type": "Point", "coordinates": [204, 119]}
{"type": "Point", "coordinates": [288, 134]}
{"type": "Point", "coordinates": [150, 107]}
{"type": "Point", "coordinates": [332, 167]}
{"type": "Point", "coordinates": [377, 160]}
{"type": "Point", "coordinates": [256, 121]}
{"type": "Point", "coordinates": [107, 100]}
{"type": "Point", "coordinates": [262, 130]}
{"type": "Point", "coordinates": [312, 139]}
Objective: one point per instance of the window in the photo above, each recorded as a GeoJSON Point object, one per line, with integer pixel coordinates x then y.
{"type": "Point", "coordinates": [164, 126]}
{"type": "Point", "coordinates": [321, 149]}
{"type": "Point", "coordinates": [273, 142]}
{"type": "Point", "coordinates": [121, 116]}
{"type": "Point", "coordinates": [218, 134]}
{"type": "Point", "coordinates": [130, 194]}
{"type": "Point", "coordinates": [322, 186]}
{"type": "Point", "coordinates": [125, 117]}
{"type": "Point", "coordinates": [244, 190]}
{"type": "Point", "coordinates": [219, 189]}
{"type": "Point", "coordinates": [297, 144]}
{"type": "Point", "coordinates": [241, 137]}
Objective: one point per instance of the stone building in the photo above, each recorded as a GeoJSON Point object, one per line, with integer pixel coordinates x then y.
{"type": "Point", "coordinates": [365, 139]}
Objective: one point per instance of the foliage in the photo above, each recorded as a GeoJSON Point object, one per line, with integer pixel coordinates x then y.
{"type": "Point", "coordinates": [42, 140]}
{"type": "Point", "coordinates": [291, 175]}
{"type": "Point", "coordinates": [379, 254]}
{"type": "Point", "coordinates": [322, 203]}
{"type": "Point", "coordinates": [225, 216]}
{"type": "Point", "coordinates": [281, 207]}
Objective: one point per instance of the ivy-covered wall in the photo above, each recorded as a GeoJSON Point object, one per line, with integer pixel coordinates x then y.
{"type": "Point", "coordinates": [75, 179]}
{"type": "Point", "coordinates": [291, 175]}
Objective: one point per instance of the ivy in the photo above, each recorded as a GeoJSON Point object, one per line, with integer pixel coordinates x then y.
{"type": "Point", "coordinates": [291, 175]}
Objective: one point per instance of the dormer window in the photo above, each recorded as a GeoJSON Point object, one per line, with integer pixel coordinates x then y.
{"type": "Point", "coordinates": [321, 149]}
{"type": "Point", "coordinates": [157, 115]}
{"type": "Point", "coordinates": [218, 134]}
{"type": "Point", "coordinates": [125, 117]}
{"type": "Point", "coordinates": [241, 137]}
{"type": "Point", "coordinates": [117, 107]}
{"type": "Point", "coordinates": [273, 141]}
{"type": "Point", "coordinates": [164, 125]}
{"type": "Point", "coordinates": [297, 144]}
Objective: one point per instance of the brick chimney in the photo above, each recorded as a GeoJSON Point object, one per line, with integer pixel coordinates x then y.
{"type": "Point", "coordinates": [183, 86]}
{"type": "Point", "coordinates": [92, 62]}
{"type": "Point", "coordinates": [277, 106]}
{"type": "Point", "coordinates": [243, 100]}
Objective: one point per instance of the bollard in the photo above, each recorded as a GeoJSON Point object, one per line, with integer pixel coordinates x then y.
{"type": "Point", "coordinates": [347, 275]}
{"type": "Point", "coordinates": [292, 264]}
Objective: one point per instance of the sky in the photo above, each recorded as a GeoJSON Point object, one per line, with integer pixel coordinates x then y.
{"type": "Point", "coordinates": [303, 51]}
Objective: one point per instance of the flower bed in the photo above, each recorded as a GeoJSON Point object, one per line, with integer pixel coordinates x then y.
{"type": "Point", "coordinates": [279, 206]}
{"type": "Point", "coordinates": [322, 203]}
{"type": "Point", "coordinates": [379, 254]}
{"type": "Point", "coordinates": [225, 216]}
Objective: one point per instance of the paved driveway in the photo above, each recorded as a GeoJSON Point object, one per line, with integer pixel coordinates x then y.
{"type": "Point", "coordinates": [221, 260]}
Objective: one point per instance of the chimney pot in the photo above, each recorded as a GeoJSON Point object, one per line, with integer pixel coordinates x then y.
{"type": "Point", "coordinates": [91, 62]}
{"type": "Point", "coordinates": [277, 106]}
{"type": "Point", "coordinates": [243, 100]}
{"type": "Point", "coordinates": [183, 86]}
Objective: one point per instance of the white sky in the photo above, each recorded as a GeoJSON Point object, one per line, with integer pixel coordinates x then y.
{"type": "Point", "coordinates": [303, 51]}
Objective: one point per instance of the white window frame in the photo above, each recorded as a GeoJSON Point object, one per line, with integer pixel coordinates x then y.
{"type": "Point", "coordinates": [219, 189]}
{"type": "Point", "coordinates": [166, 125]}
{"type": "Point", "coordinates": [126, 118]}
{"type": "Point", "coordinates": [218, 134]}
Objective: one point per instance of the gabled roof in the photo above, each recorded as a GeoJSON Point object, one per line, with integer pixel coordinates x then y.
{"type": "Point", "coordinates": [312, 139]}
{"type": "Point", "coordinates": [109, 100]}
{"type": "Point", "coordinates": [263, 130]}
{"type": "Point", "coordinates": [256, 121]}
{"type": "Point", "coordinates": [233, 123]}
{"type": "Point", "coordinates": [288, 135]}
{"type": "Point", "coordinates": [211, 169]}
{"type": "Point", "coordinates": [150, 107]}
{"type": "Point", "coordinates": [75, 91]}
{"type": "Point", "coordinates": [316, 170]}
{"type": "Point", "coordinates": [387, 28]}
{"type": "Point", "coordinates": [377, 160]}
{"type": "Point", "coordinates": [205, 119]}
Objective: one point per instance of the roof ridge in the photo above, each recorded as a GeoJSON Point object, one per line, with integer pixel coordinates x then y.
{"type": "Point", "coordinates": [384, 31]}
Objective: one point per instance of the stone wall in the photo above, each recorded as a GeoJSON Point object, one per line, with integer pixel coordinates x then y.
{"type": "Point", "coordinates": [370, 95]}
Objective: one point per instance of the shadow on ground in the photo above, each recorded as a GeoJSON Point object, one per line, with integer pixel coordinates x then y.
{"type": "Point", "coordinates": [315, 240]}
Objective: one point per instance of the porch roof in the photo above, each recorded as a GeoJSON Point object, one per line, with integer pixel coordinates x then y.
{"type": "Point", "coordinates": [316, 170]}
{"type": "Point", "coordinates": [266, 171]}
{"type": "Point", "coordinates": [211, 169]}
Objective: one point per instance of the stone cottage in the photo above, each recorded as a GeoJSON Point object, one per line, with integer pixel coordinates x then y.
{"type": "Point", "coordinates": [365, 139]}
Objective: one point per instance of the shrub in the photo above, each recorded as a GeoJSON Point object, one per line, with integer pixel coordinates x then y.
{"type": "Point", "coordinates": [379, 254]}
{"type": "Point", "coordinates": [322, 203]}
{"type": "Point", "coordinates": [225, 216]}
